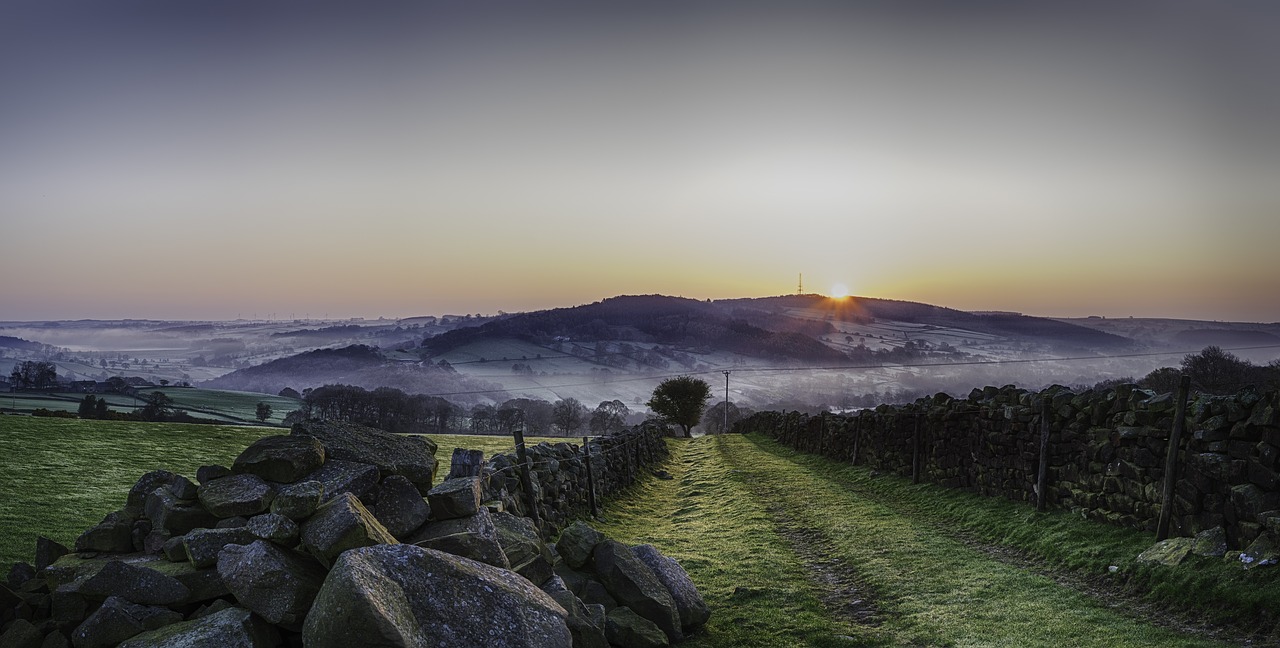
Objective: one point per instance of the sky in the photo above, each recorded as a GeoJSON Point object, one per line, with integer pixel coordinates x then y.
{"type": "Point", "coordinates": [214, 160]}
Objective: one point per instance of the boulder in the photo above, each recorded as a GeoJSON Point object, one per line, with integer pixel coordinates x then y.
{"type": "Point", "coordinates": [403, 595]}
{"type": "Point", "coordinates": [338, 476]}
{"type": "Point", "coordinates": [236, 495]}
{"type": "Point", "coordinates": [400, 506]}
{"type": "Point", "coordinates": [55, 639]}
{"type": "Point", "coordinates": [1210, 542]}
{"type": "Point", "coordinates": [134, 584]}
{"type": "Point", "coordinates": [176, 484]}
{"type": "Point", "coordinates": [232, 627]}
{"type": "Point", "coordinates": [689, 603]}
{"type": "Point", "coordinates": [21, 634]}
{"type": "Point", "coordinates": [114, 534]}
{"type": "Point", "coordinates": [20, 573]}
{"type": "Point", "coordinates": [274, 527]}
{"type": "Point", "coordinates": [626, 629]}
{"type": "Point", "coordinates": [472, 537]}
{"type": "Point", "coordinates": [298, 501]}
{"type": "Point", "coordinates": [528, 555]}
{"type": "Point", "coordinates": [118, 620]}
{"type": "Point", "coordinates": [393, 454]}
{"type": "Point", "coordinates": [455, 498]}
{"type": "Point", "coordinates": [176, 516]}
{"type": "Point", "coordinates": [1169, 552]}
{"type": "Point", "coordinates": [585, 625]}
{"type": "Point", "coordinates": [340, 524]}
{"type": "Point", "coordinates": [277, 584]}
{"type": "Point", "coordinates": [576, 543]}
{"type": "Point", "coordinates": [203, 545]}
{"type": "Point", "coordinates": [634, 585]}
{"type": "Point", "coordinates": [1262, 552]}
{"type": "Point", "coordinates": [284, 459]}
{"type": "Point", "coordinates": [48, 551]}
{"type": "Point", "coordinates": [206, 474]}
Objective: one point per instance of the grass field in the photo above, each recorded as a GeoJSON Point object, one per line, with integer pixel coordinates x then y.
{"type": "Point", "coordinates": [220, 405]}
{"type": "Point", "coordinates": [58, 477]}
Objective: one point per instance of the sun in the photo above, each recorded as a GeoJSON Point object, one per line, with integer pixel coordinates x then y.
{"type": "Point", "coordinates": [839, 291]}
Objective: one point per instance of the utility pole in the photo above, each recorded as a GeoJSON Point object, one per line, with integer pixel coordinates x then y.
{"type": "Point", "coordinates": [726, 404]}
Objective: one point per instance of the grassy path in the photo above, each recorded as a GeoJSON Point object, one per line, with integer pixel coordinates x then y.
{"type": "Point", "coordinates": [764, 535]}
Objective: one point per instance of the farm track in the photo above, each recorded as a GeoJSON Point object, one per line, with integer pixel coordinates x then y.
{"type": "Point", "coordinates": [937, 588]}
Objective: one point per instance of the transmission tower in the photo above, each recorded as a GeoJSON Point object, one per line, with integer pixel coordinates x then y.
{"type": "Point", "coordinates": [800, 285]}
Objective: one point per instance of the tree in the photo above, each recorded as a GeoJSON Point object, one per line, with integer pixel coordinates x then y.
{"type": "Point", "coordinates": [609, 417]}
{"type": "Point", "coordinates": [715, 418]}
{"type": "Point", "coordinates": [1163, 380]}
{"type": "Point", "coordinates": [88, 407]}
{"type": "Point", "coordinates": [100, 409]}
{"type": "Point", "coordinates": [263, 411]}
{"type": "Point", "coordinates": [32, 374]}
{"type": "Point", "coordinates": [681, 401]}
{"type": "Point", "coordinates": [158, 407]}
{"type": "Point", "coordinates": [568, 415]}
{"type": "Point", "coordinates": [1216, 371]}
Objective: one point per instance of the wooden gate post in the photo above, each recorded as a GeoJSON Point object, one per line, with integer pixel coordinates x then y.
{"type": "Point", "coordinates": [1042, 476]}
{"type": "Point", "coordinates": [1171, 458]}
{"type": "Point", "coordinates": [526, 479]}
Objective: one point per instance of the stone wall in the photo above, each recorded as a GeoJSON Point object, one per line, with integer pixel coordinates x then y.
{"type": "Point", "coordinates": [1106, 451]}
{"type": "Point", "coordinates": [559, 473]}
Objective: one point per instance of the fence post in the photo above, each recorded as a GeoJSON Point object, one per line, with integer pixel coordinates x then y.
{"type": "Point", "coordinates": [591, 479]}
{"type": "Point", "coordinates": [1042, 477]}
{"type": "Point", "coordinates": [526, 480]}
{"type": "Point", "coordinates": [915, 453]}
{"type": "Point", "coordinates": [1171, 458]}
{"type": "Point", "coordinates": [822, 433]}
{"type": "Point", "coordinates": [857, 437]}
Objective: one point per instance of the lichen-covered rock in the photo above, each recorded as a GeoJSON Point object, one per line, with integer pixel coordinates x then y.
{"type": "Point", "coordinates": [472, 537]}
{"type": "Point", "coordinates": [274, 527]}
{"type": "Point", "coordinates": [230, 628]}
{"type": "Point", "coordinates": [455, 498]}
{"type": "Point", "coordinates": [402, 595]}
{"type": "Point", "coordinates": [203, 545]}
{"type": "Point", "coordinates": [528, 555]}
{"type": "Point", "coordinates": [176, 516]}
{"type": "Point", "coordinates": [393, 454]}
{"type": "Point", "coordinates": [277, 584]}
{"type": "Point", "coordinates": [338, 476]}
{"type": "Point", "coordinates": [1262, 552]}
{"type": "Point", "coordinates": [298, 501]}
{"type": "Point", "coordinates": [236, 495]}
{"type": "Point", "coordinates": [689, 603]}
{"type": "Point", "coordinates": [179, 486]}
{"type": "Point", "coordinates": [1169, 552]}
{"type": "Point", "coordinates": [48, 551]}
{"type": "Point", "coordinates": [206, 474]}
{"type": "Point", "coordinates": [340, 524]}
{"type": "Point", "coordinates": [586, 625]}
{"type": "Point", "coordinates": [626, 629]}
{"type": "Point", "coordinates": [577, 542]}
{"type": "Point", "coordinates": [284, 459]}
{"type": "Point", "coordinates": [134, 584]}
{"type": "Point", "coordinates": [118, 620]}
{"type": "Point", "coordinates": [634, 585]}
{"type": "Point", "coordinates": [114, 534]}
{"type": "Point", "coordinates": [1210, 542]}
{"type": "Point", "coordinates": [400, 506]}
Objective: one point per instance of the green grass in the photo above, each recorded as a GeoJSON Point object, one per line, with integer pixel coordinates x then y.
{"type": "Point", "coordinates": [930, 588]}
{"type": "Point", "coordinates": [59, 477]}
{"type": "Point", "coordinates": [217, 404]}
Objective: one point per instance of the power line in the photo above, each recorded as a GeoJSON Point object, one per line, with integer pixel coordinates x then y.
{"type": "Point", "coordinates": [850, 367]}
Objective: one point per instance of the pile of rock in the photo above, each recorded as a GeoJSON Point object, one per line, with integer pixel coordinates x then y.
{"type": "Point", "coordinates": [334, 536]}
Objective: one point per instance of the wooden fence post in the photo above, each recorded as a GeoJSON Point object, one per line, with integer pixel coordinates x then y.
{"type": "Point", "coordinates": [1042, 477]}
{"type": "Point", "coordinates": [526, 479]}
{"type": "Point", "coordinates": [915, 453]}
{"type": "Point", "coordinates": [1171, 458]}
{"type": "Point", "coordinates": [591, 479]}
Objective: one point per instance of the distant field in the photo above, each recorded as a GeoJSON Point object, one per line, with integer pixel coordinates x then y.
{"type": "Point", "coordinates": [59, 477]}
{"type": "Point", "coordinates": [228, 406]}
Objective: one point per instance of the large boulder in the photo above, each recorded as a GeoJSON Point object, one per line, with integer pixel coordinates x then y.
{"type": "Point", "coordinates": [455, 498]}
{"type": "Point", "coordinates": [400, 506]}
{"type": "Point", "coordinates": [1169, 552]}
{"type": "Point", "coordinates": [298, 501]}
{"type": "Point", "coordinates": [342, 523]}
{"type": "Point", "coordinates": [472, 537]}
{"type": "Point", "coordinates": [338, 476]}
{"type": "Point", "coordinates": [134, 584]}
{"type": "Point", "coordinates": [176, 516]}
{"type": "Point", "coordinates": [204, 545]}
{"type": "Point", "coordinates": [585, 624]}
{"type": "Point", "coordinates": [274, 527]}
{"type": "Point", "coordinates": [114, 534]}
{"type": "Point", "coordinates": [179, 486]}
{"type": "Point", "coordinates": [276, 584]}
{"type": "Point", "coordinates": [577, 542]}
{"type": "Point", "coordinates": [519, 540]}
{"type": "Point", "coordinates": [284, 459]}
{"type": "Point", "coordinates": [634, 585]}
{"type": "Point", "coordinates": [689, 603]}
{"type": "Point", "coordinates": [626, 629]}
{"type": "Point", "coordinates": [236, 495]}
{"type": "Point", "coordinates": [21, 634]}
{"type": "Point", "coordinates": [229, 628]}
{"type": "Point", "coordinates": [411, 456]}
{"type": "Point", "coordinates": [402, 595]}
{"type": "Point", "coordinates": [118, 620]}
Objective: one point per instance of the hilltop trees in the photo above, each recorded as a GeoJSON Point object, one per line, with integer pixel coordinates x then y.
{"type": "Point", "coordinates": [32, 374]}
{"type": "Point", "coordinates": [681, 400]}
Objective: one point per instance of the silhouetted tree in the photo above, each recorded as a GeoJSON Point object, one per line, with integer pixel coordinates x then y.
{"type": "Point", "coordinates": [681, 401]}
{"type": "Point", "coordinates": [88, 407]}
{"type": "Point", "coordinates": [159, 407]}
{"type": "Point", "coordinates": [1216, 371]}
{"type": "Point", "coordinates": [263, 411]}
{"type": "Point", "coordinates": [1162, 381]}
{"type": "Point", "coordinates": [568, 415]}
{"type": "Point", "coordinates": [33, 374]}
{"type": "Point", "coordinates": [609, 416]}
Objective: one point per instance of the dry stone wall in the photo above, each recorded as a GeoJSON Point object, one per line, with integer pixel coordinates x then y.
{"type": "Point", "coordinates": [1106, 451]}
